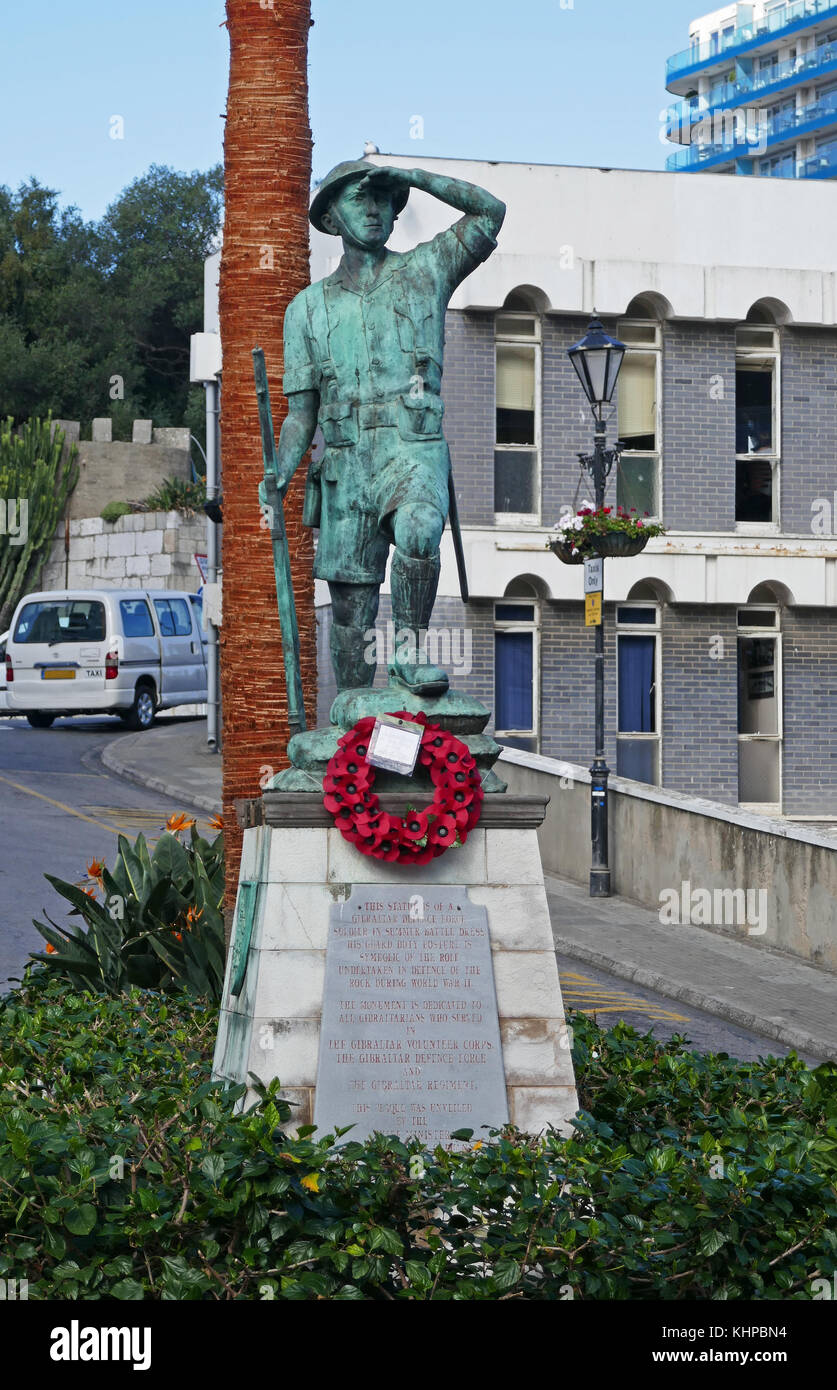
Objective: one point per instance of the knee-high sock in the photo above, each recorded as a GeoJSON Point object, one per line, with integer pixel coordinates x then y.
{"type": "Point", "coordinates": [414, 583]}
{"type": "Point", "coordinates": [349, 649]}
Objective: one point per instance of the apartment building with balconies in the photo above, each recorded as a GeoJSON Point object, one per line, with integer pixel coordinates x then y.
{"type": "Point", "coordinates": [757, 92]}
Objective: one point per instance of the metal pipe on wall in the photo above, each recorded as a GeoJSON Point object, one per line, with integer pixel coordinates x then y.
{"type": "Point", "coordinates": [213, 686]}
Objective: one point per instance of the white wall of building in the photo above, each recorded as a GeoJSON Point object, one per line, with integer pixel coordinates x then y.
{"type": "Point", "coordinates": [595, 238]}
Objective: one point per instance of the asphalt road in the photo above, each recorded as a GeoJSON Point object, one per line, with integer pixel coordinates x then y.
{"type": "Point", "coordinates": [60, 809]}
{"type": "Point", "coordinates": [609, 999]}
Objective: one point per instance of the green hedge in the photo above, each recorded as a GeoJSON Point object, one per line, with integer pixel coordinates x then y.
{"type": "Point", "coordinates": [124, 1173]}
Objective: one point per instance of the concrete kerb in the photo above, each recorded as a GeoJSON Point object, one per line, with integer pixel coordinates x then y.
{"type": "Point", "coordinates": [120, 758]}
{"type": "Point", "coordinates": [797, 1038]}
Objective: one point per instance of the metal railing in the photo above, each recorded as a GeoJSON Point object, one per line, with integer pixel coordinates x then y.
{"type": "Point", "coordinates": [805, 67]}
{"type": "Point", "coordinates": [785, 123]}
{"type": "Point", "coordinates": [771, 24]}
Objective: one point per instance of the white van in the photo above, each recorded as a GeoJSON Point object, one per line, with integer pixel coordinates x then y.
{"type": "Point", "coordinates": [129, 652]}
{"type": "Point", "coordinates": [4, 704]}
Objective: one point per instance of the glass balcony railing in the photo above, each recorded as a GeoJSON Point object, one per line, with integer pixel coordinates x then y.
{"type": "Point", "coordinates": [804, 68]}
{"type": "Point", "coordinates": [823, 110]}
{"type": "Point", "coordinates": [786, 17]}
{"type": "Point", "coordinates": [822, 165]}
{"type": "Point", "coordinates": [784, 169]}
{"type": "Point", "coordinates": [748, 137]}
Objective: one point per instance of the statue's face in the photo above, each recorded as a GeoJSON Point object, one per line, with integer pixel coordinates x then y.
{"type": "Point", "coordinates": [363, 216]}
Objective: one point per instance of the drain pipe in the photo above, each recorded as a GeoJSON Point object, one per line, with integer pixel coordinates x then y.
{"type": "Point", "coordinates": [213, 685]}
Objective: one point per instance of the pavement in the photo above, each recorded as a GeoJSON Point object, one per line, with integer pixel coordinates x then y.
{"type": "Point", "coordinates": [172, 758]}
{"type": "Point", "coordinates": [768, 992]}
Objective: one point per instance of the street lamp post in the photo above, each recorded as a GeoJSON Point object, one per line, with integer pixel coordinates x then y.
{"type": "Point", "coordinates": [597, 360]}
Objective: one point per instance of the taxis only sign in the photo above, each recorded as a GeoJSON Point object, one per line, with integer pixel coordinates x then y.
{"type": "Point", "coordinates": [593, 586]}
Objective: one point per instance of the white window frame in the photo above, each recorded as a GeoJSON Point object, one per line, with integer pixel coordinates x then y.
{"type": "Point", "coordinates": [533, 340]}
{"type": "Point", "coordinates": [770, 528]}
{"type": "Point", "coordinates": [623, 333]}
{"type": "Point", "coordinates": [774, 631]}
{"type": "Point", "coordinates": [655, 630]}
{"type": "Point", "coordinates": [532, 625]}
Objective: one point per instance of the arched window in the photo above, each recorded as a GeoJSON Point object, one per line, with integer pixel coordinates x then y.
{"type": "Point", "coordinates": [639, 392]}
{"type": "Point", "coordinates": [757, 423]}
{"type": "Point", "coordinates": [517, 439]}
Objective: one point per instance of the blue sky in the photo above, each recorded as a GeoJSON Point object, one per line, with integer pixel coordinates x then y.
{"type": "Point", "coordinates": [531, 81]}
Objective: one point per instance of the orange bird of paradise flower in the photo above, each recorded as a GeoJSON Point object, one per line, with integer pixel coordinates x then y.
{"type": "Point", "coordinates": [180, 821]}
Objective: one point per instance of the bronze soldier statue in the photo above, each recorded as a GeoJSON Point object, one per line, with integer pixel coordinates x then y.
{"type": "Point", "coordinates": [363, 358]}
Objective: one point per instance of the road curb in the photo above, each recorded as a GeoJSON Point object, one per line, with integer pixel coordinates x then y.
{"type": "Point", "coordinates": [709, 1003]}
{"type": "Point", "coordinates": [112, 761]}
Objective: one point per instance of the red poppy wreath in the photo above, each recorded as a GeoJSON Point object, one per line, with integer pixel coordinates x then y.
{"type": "Point", "coordinates": [420, 836]}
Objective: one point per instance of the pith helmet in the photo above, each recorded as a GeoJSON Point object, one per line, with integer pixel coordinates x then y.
{"type": "Point", "coordinates": [347, 172]}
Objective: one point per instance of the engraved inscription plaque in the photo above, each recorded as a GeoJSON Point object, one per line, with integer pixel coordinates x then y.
{"type": "Point", "coordinates": [410, 1038]}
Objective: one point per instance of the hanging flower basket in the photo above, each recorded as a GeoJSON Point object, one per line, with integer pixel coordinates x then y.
{"type": "Point", "coordinates": [591, 534]}
{"type": "Point", "coordinates": [620, 543]}
{"type": "Point", "coordinates": [566, 553]}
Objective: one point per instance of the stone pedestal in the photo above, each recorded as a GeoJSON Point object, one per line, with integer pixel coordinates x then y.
{"type": "Point", "coordinates": [295, 866]}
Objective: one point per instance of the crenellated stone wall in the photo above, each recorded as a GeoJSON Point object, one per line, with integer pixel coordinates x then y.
{"type": "Point", "coordinates": [116, 471]}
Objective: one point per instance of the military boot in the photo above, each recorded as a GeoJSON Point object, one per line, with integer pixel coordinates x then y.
{"type": "Point", "coordinates": [413, 583]}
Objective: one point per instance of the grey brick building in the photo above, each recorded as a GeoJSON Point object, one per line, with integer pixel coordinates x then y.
{"type": "Point", "coordinates": [721, 637]}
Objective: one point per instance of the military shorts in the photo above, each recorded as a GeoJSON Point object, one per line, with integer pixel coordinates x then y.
{"type": "Point", "coordinates": [361, 485]}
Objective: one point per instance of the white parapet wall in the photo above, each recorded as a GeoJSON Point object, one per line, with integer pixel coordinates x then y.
{"type": "Point", "coordinates": [697, 862]}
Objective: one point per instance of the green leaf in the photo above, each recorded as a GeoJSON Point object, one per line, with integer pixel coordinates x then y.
{"type": "Point", "coordinates": [506, 1274]}
{"type": "Point", "coordinates": [81, 1220]}
{"type": "Point", "coordinates": [711, 1242]}
{"type": "Point", "coordinates": [128, 1290]}
{"type": "Point", "coordinates": [213, 1167]}
{"type": "Point", "coordinates": [382, 1239]}
{"type": "Point", "coordinates": [55, 1243]}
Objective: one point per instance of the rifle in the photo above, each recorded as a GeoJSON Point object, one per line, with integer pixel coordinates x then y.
{"type": "Point", "coordinates": [281, 557]}
{"type": "Point", "coordinates": [456, 537]}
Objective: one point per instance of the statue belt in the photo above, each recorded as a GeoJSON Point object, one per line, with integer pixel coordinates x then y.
{"type": "Point", "coordinates": [373, 414]}
{"type": "Point", "coordinates": [415, 417]}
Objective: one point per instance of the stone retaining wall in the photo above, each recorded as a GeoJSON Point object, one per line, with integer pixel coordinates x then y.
{"type": "Point", "coordinates": [665, 843]}
{"type": "Point", "coordinates": [140, 550]}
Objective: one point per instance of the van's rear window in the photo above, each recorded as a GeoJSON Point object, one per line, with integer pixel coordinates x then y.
{"type": "Point", "coordinates": [136, 619]}
{"type": "Point", "coordinates": [53, 621]}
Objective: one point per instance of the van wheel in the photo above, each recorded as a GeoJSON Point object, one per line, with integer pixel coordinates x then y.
{"type": "Point", "coordinates": [142, 711]}
{"type": "Point", "coordinates": [40, 720]}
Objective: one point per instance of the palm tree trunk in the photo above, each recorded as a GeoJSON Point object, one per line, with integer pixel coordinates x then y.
{"type": "Point", "coordinates": [264, 263]}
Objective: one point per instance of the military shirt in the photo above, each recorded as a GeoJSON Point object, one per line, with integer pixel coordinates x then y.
{"type": "Point", "coordinates": [366, 345]}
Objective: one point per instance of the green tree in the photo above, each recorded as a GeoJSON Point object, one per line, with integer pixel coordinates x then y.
{"type": "Point", "coordinates": [152, 244]}
{"type": "Point", "coordinates": [84, 303]}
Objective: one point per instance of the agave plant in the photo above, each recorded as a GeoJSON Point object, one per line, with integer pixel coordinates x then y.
{"type": "Point", "coordinates": [158, 925]}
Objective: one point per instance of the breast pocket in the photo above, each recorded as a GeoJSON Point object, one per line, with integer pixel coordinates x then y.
{"type": "Point", "coordinates": [420, 416]}
{"type": "Point", "coordinates": [338, 422]}
{"type": "Point", "coordinates": [406, 331]}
